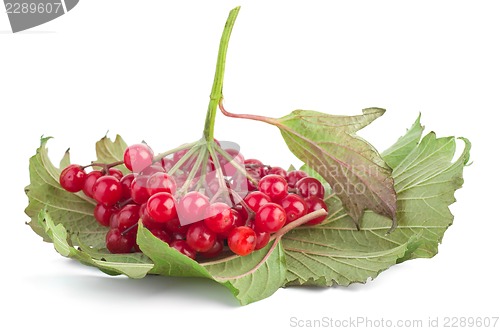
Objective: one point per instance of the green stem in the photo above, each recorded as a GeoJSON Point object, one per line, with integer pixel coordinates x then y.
{"type": "Point", "coordinates": [183, 159]}
{"type": "Point", "coordinates": [201, 156]}
{"type": "Point", "coordinates": [216, 94]}
{"type": "Point", "coordinates": [160, 156]}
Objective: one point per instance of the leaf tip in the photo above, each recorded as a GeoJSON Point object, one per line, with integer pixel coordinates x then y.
{"type": "Point", "coordinates": [355, 219]}
{"type": "Point", "coordinates": [374, 111]}
{"type": "Point", "coordinates": [43, 140]}
{"type": "Point", "coordinates": [418, 122]}
{"type": "Point", "coordinates": [393, 227]}
{"type": "Point", "coordinates": [431, 135]}
{"type": "Point", "coordinates": [466, 153]}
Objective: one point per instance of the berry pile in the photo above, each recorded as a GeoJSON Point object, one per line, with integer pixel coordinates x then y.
{"type": "Point", "coordinates": [198, 209]}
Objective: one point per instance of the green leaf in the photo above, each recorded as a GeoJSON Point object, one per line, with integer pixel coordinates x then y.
{"type": "Point", "coordinates": [116, 265]}
{"type": "Point", "coordinates": [250, 278]}
{"type": "Point", "coordinates": [426, 181]}
{"type": "Point", "coordinates": [250, 283]}
{"type": "Point", "coordinates": [353, 168]}
{"type": "Point", "coordinates": [105, 256]}
{"type": "Point", "coordinates": [337, 253]}
{"type": "Point", "coordinates": [168, 261]}
{"type": "Point", "coordinates": [405, 144]}
{"type": "Point", "coordinates": [74, 211]}
{"type": "Point", "coordinates": [313, 259]}
{"type": "Point", "coordinates": [65, 161]}
{"type": "Point", "coordinates": [108, 151]}
{"type": "Point", "coordinates": [328, 144]}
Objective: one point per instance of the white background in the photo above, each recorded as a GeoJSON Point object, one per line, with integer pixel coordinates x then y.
{"type": "Point", "coordinates": [144, 69]}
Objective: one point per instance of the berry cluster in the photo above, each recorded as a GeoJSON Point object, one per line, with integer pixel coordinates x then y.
{"type": "Point", "coordinates": [198, 209]}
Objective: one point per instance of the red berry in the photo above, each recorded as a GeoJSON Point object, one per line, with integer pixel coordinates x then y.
{"type": "Point", "coordinates": [102, 213]}
{"type": "Point", "coordinates": [191, 207]}
{"type": "Point", "coordinates": [178, 236]}
{"type": "Point", "coordinates": [255, 165]}
{"type": "Point", "coordinates": [261, 239]}
{"type": "Point", "coordinates": [115, 172]}
{"type": "Point", "coordinates": [147, 220]}
{"type": "Point", "coordinates": [256, 199]}
{"type": "Point", "coordinates": [294, 206]}
{"type": "Point", "coordinates": [107, 190]}
{"type": "Point", "coordinates": [175, 226]}
{"type": "Point", "coordinates": [138, 189]}
{"type": "Point", "coordinates": [72, 178]}
{"type": "Point", "coordinates": [277, 171]}
{"type": "Point", "coordinates": [161, 207]}
{"type": "Point", "coordinates": [127, 217]}
{"type": "Point", "coordinates": [243, 214]}
{"type": "Point", "coordinates": [88, 186]}
{"type": "Point", "coordinates": [113, 220]}
{"type": "Point", "coordinates": [137, 157]}
{"type": "Point", "coordinates": [118, 243]}
{"type": "Point", "coordinates": [270, 218]}
{"type": "Point", "coordinates": [152, 169]}
{"type": "Point", "coordinates": [162, 235]}
{"type": "Point", "coordinates": [237, 221]}
{"type": "Point", "coordinates": [219, 218]}
{"type": "Point", "coordinates": [274, 186]}
{"type": "Point", "coordinates": [182, 247]}
{"type": "Point", "coordinates": [242, 240]}
{"type": "Point", "coordinates": [167, 163]}
{"type": "Point", "coordinates": [294, 176]}
{"type": "Point", "coordinates": [215, 250]}
{"type": "Point", "coordinates": [200, 238]}
{"type": "Point", "coordinates": [309, 186]}
{"type": "Point", "coordinates": [314, 203]}
{"type": "Point", "coordinates": [161, 182]}
{"type": "Point", "coordinates": [126, 183]}
{"type": "Point", "coordinates": [255, 175]}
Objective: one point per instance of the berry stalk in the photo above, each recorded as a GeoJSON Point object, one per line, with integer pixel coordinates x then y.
{"type": "Point", "coordinates": [216, 94]}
